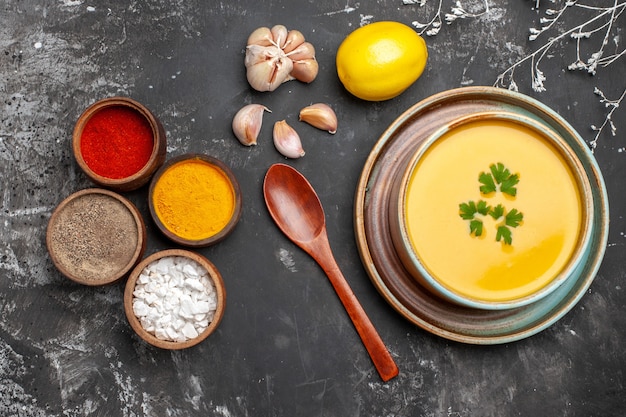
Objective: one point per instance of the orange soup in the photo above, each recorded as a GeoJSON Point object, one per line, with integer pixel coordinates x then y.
{"type": "Point", "coordinates": [493, 210]}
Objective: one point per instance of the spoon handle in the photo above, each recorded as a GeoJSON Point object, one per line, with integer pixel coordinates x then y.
{"type": "Point", "coordinates": [374, 345]}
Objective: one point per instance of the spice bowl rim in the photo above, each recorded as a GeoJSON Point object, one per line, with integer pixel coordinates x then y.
{"type": "Point", "coordinates": [139, 249]}
{"type": "Point", "coordinates": [411, 259]}
{"type": "Point", "coordinates": [237, 209]}
{"type": "Point", "coordinates": [218, 283]}
{"type": "Point", "coordinates": [142, 176]}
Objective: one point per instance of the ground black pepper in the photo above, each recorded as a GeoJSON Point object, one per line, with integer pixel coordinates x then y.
{"type": "Point", "coordinates": [94, 237]}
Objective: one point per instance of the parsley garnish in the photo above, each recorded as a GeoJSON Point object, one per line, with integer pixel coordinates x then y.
{"type": "Point", "coordinates": [468, 211]}
{"type": "Point", "coordinates": [498, 179]}
{"type": "Point", "coordinates": [514, 218]}
{"type": "Point", "coordinates": [499, 176]}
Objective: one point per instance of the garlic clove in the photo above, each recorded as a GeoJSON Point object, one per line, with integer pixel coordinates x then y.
{"type": "Point", "coordinates": [287, 141]}
{"type": "Point", "coordinates": [257, 53]}
{"type": "Point", "coordinates": [321, 116]}
{"type": "Point", "coordinates": [305, 70]}
{"type": "Point", "coordinates": [283, 68]}
{"type": "Point", "coordinates": [247, 123]}
{"type": "Point", "coordinates": [279, 33]}
{"type": "Point", "coordinates": [305, 50]}
{"type": "Point", "coordinates": [268, 75]}
{"type": "Point", "coordinates": [261, 36]}
{"type": "Point", "coordinates": [294, 39]}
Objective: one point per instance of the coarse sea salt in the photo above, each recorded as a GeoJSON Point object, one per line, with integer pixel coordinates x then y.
{"type": "Point", "coordinates": [174, 299]}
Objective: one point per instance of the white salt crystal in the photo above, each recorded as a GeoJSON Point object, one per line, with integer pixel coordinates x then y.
{"type": "Point", "coordinates": [202, 307]}
{"type": "Point", "coordinates": [186, 307]}
{"type": "Point", "coordinates": [178, 324]}
{"type": "Point", "coordinates": [150, 298]}
{"type": "Point", "coordinates": [164, 320]}
{"type": "Point", "coordinates": [164, 265]}
{"type": "Point", "coordinates": [143, 278]}
{"type": "Point", "coordinates": [172, 334]}
{"type": "Point", "coordinates": [161, 334]}
{"type": "Point", "coordinates": [140, 308]}
{"type": "Point", "coordinates": [194, 284]}
{"type": "Point", "coordinates": [189, 331]}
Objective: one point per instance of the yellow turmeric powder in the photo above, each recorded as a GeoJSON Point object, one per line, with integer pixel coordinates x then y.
{"type": "Point", "coordinates": [194, 199]}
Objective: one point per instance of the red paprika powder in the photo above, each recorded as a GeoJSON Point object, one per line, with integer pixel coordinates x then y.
{"type": "Point", "coordinates": [116, 142]}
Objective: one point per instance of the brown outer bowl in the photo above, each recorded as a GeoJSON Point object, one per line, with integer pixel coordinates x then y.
{"type": "Point", "coordinates": [149, 337]}
{"type": "Point", "coordinates": [221, 235]}
{"type": "Point", "coordinates": [142, 176]}
{"type": "Point", "coordinates": [139, 250]}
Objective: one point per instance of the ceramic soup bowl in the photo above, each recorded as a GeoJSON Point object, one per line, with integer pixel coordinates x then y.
{"type": "Point", "coordinates": [493, 211]}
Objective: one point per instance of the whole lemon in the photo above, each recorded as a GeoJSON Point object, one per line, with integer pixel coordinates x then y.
{"type": "Point", "coordinates": [380, 60]}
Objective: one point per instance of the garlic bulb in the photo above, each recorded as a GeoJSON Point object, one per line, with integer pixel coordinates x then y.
{"type": "Point", "coordinates": [321, 116]}
{"type": "Point", "coordinates": [287, 140]}
{"type": "Point", "coordinates": [277, 55]}
{"type": "Point", "coordinates": [247, 123]}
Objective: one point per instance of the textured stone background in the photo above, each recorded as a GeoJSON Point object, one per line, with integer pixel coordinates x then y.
{"type": "Point", "coordinates": [285, 346]}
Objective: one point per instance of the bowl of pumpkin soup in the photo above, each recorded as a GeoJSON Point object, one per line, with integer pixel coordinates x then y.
{"type": "Point", "coordinates": [493, 211]}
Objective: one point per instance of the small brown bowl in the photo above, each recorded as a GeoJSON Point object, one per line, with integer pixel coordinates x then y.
{"type": "Point", "coordinates": [95, 237]}
{"type": "Point", "coordinates": [208, 209]}
{"type": "Point", "coordinates": [122, 115]}
{"type": "Point", "coordinates": [134, 280]}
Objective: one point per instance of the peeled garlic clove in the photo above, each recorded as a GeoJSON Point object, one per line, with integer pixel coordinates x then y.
{"type": "Point", "coordinates": [247, 123]}
{"type": "Point", "coordinates": [268, 75]}
{"type": "Point", "coordinates": [279, 33]}
{"type": "Point", "coordinates": [321, 116]}
{"type": "Point", "coordinates": [261, 36]}
{"type": "Point", "coordinates": [287, 140]}
{"type": "Point", "coordinates": [294, 39]}
{"type": "Point", "coordinates": [305, 70]}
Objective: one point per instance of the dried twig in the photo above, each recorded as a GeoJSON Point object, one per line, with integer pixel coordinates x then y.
{"type": "Point", "coordinates": [612, 105]}
{"type": "Point", "coordinates": [432, 27]}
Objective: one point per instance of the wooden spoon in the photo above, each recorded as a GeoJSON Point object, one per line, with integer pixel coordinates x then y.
{"type": "Point", "coordinates": [296, 209]}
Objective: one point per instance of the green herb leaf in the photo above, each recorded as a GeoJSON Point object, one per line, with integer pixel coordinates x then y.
{"type": "Point", "coordinates": [508, 185]}
{"type": "Point", "coordinates": [488, 185]}
{"type": "Point", "coordinates": [505, 179]}
{"type": "Point", "coordinates": [504, 233]}
{"type": "Point", "coordinates": [483, 208]}
{"type": "Point", "coordinates": [497, 212]}
{"type": "Point", "coordinates": [514, 218]}
{"type": "Point", "coordinates": [476, 227]}
{"type": "Point", "coordinates": [499, 172]}
{"type": "Point", "coordinates": [467, 210]}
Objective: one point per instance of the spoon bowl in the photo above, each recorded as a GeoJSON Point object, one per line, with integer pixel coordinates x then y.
{"type": "Point", "coordinates": [297, 210]}
{"type": "Point", "coordinates": [289, 197]}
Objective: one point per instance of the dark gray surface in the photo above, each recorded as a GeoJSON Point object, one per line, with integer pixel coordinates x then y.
{"type": "Point", "coordinates": [285, 346]}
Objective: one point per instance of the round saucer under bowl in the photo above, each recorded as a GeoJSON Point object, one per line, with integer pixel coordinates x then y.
{"type": "Point", "coordinates": [388, 160]}
{"type": "Point", "coordinates": [493, 211]}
